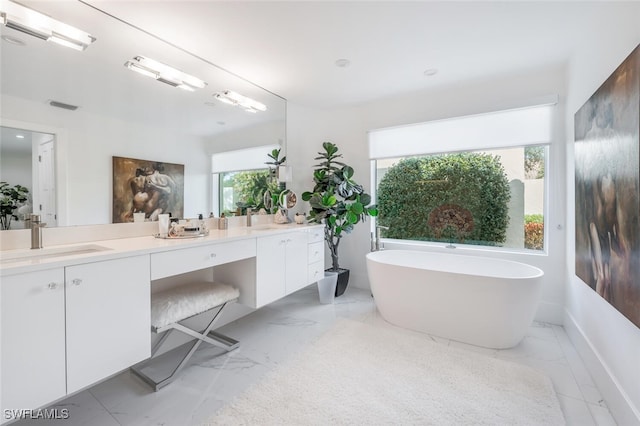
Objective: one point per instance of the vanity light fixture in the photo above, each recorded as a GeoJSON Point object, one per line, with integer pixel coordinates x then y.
{"type": "Point", "coordinates": [20, 136]}
{"type": "Point", "coordinates": [236, 99]}
{"type": "Point", "coordinates": [164, 73]}
{"type": "Point", "coordinates": [29, 21]}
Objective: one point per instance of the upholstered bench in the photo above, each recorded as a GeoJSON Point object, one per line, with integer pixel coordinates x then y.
{"type": "Point", "coordinates": [170, 307]}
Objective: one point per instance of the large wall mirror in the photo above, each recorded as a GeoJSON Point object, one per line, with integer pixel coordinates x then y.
{"type": "Point", "coordinates": [119, 113]}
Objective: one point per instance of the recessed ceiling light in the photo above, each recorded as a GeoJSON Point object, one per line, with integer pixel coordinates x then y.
{"type": "Point", "coordinates": [431, 71]}
{"type": "Point", "coordinates": [13, 40]}
{"type": "Point", "coordinates": [343, 63]}
{"type": "Point", "coordinates": [20, 136]}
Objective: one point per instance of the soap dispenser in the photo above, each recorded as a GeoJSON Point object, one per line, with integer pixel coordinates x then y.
{"type": "Point", "coordinates": [223, 222]}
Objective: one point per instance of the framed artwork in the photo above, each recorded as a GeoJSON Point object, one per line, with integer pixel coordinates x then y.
{"type": "Point", "coordinates": [145, 186]}
{"type": "Point", "coordinates": [607, 160]}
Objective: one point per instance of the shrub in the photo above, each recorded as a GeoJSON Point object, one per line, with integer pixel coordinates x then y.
{"type": "Point", "coordinates": [414, 187]}
{"type": "Point", "coordinates": [534, 235]}
{"type": "Point", "coordinates": [533, 218]}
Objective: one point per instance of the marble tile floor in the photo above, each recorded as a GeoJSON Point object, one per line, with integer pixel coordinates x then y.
{"type": "Point", "coordinates": [269, 336]}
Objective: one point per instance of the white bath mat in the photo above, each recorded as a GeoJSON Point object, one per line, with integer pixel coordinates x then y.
{"type": "Point", "coordinates": [357, 374]}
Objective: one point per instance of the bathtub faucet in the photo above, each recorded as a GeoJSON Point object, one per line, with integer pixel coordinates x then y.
{"type": "Point", "coordinates": [375, 240]}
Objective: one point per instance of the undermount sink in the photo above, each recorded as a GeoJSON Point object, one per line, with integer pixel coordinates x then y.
{"type": "Point", "coordinates": [261, 228]}
{"type": "Point", "coordinates": [48, 253]}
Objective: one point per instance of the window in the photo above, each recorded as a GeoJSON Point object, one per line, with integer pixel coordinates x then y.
{"type": "Point", "coordinates": [240, 178]}
{"type": "Point", "coordinates": [489, 197]}
{"type": "Point", "coordinates": [465, 195]}
{"type": "Point", "coordinates": [244, 188]}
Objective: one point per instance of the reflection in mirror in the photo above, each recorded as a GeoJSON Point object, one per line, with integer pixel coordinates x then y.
{"type": "Point", "coordinates": [26, 160]}
{"type": "Point", "coordinates": [123, 113]}
{"type": "Point", "coordinates": [241, 178]}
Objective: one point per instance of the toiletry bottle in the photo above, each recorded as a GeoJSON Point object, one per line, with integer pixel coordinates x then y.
{"type": "Point", "coordinates": [202, 224]}
{"type": "Point", "coordinates": [223, 222]}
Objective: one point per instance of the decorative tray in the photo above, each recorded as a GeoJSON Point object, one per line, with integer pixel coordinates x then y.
{"type": "Point", "coordinates": [181, 237]}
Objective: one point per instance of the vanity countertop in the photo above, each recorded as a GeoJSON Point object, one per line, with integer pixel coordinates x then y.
{"type": "Point", "coordinates": [26, 260]}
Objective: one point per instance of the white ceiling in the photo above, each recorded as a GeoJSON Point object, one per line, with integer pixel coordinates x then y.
{"type": "Point", "coordinates": [290, 48]}
{"type": "Point", "coordinates": [10, 142]}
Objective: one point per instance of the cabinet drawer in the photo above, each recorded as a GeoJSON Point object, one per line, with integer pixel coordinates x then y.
{"type": "Point", "coordinates": [316, 234]}
{"type": "Point", "coordinates": [316, 252]}
{"type": "Point", "coordinates": [176, 262]}
{"type": "Point", "coordinates": [316, 271]}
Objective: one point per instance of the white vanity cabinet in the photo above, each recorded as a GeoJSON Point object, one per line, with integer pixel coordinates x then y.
{"type": "Point", "coordinates": [69, 322]}
{"type": "Point", "coordinates": [66, 328]}
{"type": "Point", "coordinates": [174, 262]}
{"type": "Point", "coordinates": [286, 263]}
{"type": "Point", "coordinates": [33, 339]}
{"type": "Point", "coordinates": [108, 318]}
{"type": "Point", "coordinates": [315, 254]}
{"type": "Point", "coordinates": [296, 260]}
{"type": "Point", "coordinates": [281, 266]}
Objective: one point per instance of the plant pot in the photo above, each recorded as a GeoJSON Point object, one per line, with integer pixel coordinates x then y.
{"type": "Point", "coordinates": [343, 280]}
{"type": "Point", "coordinates": [327, 287]}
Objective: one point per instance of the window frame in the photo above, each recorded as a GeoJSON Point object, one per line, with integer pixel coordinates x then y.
{"type": "Point", "coordinates": [548, 177]}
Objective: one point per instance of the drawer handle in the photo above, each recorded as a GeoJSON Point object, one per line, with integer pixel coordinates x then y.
{"type": "Point", "coordinates": [52, 286]}
{"type": "Point", "coordinates": [212, 255]}
{"type": "Point", "coordinates": [76, 281]}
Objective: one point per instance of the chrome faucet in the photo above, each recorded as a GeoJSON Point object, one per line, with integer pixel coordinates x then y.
{"type": "Point", "coordinates": [249, 214]}
{"type": "Point", "coordinates": [36, 231]}
{"type": "Point", "coordinates": [375, 241]}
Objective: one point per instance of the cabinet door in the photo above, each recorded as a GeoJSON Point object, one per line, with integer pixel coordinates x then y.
{"type": "Point", "coordinates": [297, 261]}
{"type": "Point", "coordinates": [270, 269]}
{"type": "Point", "coordinates": [33, 358]}
{"type": "Point", "coordinates": [108, 318]}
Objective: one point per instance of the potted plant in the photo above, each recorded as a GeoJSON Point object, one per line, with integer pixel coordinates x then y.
{"type": "Point", "coordinates": [11, 198]}
{"type": "Point", "coordinates": [339, 202]}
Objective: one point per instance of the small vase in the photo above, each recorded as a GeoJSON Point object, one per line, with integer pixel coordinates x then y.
{"type": "Point", "coordinates": [281, 217]}
{"type": "Point", "coordinates": [327, 287]}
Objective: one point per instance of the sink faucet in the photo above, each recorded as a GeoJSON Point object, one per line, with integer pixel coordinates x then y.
{"type": "Point", "coordinates": [375, 242]}
{"type": "Point", "coordinates": [249, 213]}
{"type": "Point", "coordinates": [36, 231]}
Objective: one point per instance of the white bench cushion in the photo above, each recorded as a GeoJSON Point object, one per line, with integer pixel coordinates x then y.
{"type": "Point", "coordinates": [184, 301]}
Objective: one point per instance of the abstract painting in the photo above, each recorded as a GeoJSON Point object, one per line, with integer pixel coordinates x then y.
{"type": "Point", "coordinates": [149, 187]}
{"type": "Point", "coordinates": [607, 160]}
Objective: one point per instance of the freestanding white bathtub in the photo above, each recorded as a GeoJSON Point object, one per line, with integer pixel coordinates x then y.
{"type": "Point", "coordinates": [481, 301]}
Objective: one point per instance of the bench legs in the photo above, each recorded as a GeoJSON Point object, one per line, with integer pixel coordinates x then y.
{"type": "Point", "coordinates": [207, 335]}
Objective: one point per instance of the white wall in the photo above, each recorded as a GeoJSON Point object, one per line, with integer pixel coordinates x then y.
{"type": "Point", "coordinates": [348, 127]}
{"type": "Point", "coordinates": [15, 168]}
{"type": "Point", "coordinates": [608, 342]}
{"type": "Point", "coordinates": [270, 133]}
{"type": "Point", "coordinates": [84, 158]}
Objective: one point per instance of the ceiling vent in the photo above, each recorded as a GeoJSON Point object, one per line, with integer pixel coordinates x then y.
{"type": "Point", "coordinates": [63, 105]}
